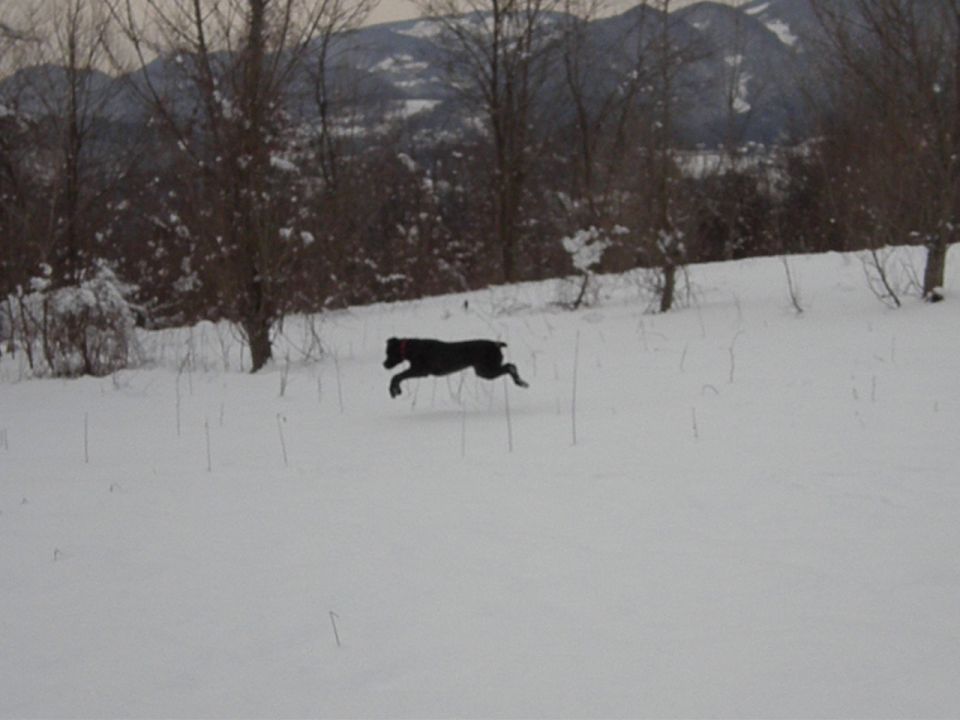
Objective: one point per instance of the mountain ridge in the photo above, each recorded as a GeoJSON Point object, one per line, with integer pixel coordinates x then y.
{"type": "Point", "coordinates": [741, 88]}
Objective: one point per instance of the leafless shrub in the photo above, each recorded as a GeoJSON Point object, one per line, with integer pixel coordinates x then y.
{"type": "Point", "coordinates": [792, 287]}
{"type": "Point", "coordinates": [881, 275]}
{"type": "Point", "coordinates": [83, 329]}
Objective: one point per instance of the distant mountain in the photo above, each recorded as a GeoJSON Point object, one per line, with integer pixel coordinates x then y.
{"type": "Point", "coordinates": [749, 87]}
{"type": "Point", "coordinates": [794, 22]}
{"type": "Point", "coordinates": [40, 89]}
{"type": "Point", "coordinates": [744, 84]}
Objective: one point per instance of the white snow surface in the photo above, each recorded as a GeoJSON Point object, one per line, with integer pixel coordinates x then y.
{"type": "Point", "coordinates": [757, 9]}
{"type": "Point", "coordinates": [740, 102]}
{"type": "Point", "coordinates": [400, 63]}
{"type": "Point", "coordinates": [783, 32]}
{"type": "Point", "coordinates": [283, 164]}
{"type": "Point", "coordinates": [409, 108]}
{"type": "Point", "coordinates": [759, 516]}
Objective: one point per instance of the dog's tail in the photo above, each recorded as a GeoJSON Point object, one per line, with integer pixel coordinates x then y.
{"type": "Point", "coordinates": [501, 344]}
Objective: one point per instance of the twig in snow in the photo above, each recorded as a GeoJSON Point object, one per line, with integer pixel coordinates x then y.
{"type": "Point", "coordinates": [336, 365]}
{"type": "Point", "coordinates": [285, 375]}
{"type": "Point", "coordinates": [878, 278]}
{"type": "Point", "coordinates": [642, 332]}
{"type": "Point", "coordinates": [224, 348]}
{"type": "Point", "coordinates": [791, 287]}
{"type": "Point", "coordinates": [736, 304]}
{"type": "Point", "coordinates": [733, 357]}
{"type": "Point", "coordinates": [506, 404]}
{"type": "Point", "coordinates": [189, 361]}
{"type": "Point", "coordinates": [333, 621]}
{"type": "Point", "coordinates": [416, 393]}
{"type": "Point", "coordinates": [283, 443]}
{"type": "Point", "coordinates": [573, 402]}
{"type": "Point", "coordinates": [177, 390]}
{"type": "Point", "coordinates": [206, 430]}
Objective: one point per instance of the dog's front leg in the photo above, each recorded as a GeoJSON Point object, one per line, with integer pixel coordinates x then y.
{"type": "Point", "coordinates": [400, 377]}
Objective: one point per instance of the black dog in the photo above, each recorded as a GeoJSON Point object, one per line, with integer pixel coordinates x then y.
{"type": "Point", "coordinates": [434, 357]}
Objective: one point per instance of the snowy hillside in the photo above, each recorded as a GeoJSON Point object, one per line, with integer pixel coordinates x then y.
{"type": "Point", "coordinates": [759, 516]}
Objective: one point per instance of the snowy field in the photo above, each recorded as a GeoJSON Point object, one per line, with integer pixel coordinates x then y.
{"type": "Point", "coordinates": [760, 515]}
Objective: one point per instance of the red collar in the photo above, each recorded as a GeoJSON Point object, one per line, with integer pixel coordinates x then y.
{"type": "Point", "coordinates": [403, 349]}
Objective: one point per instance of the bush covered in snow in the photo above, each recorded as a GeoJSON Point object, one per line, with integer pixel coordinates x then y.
{"type": "Point", "coordinates": [84, 329]}
{"type": "Point", "coordinates": [585, 248]}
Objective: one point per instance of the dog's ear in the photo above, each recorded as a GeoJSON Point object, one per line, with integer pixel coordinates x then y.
{"type": "Point", "coordinates": [392, 342]}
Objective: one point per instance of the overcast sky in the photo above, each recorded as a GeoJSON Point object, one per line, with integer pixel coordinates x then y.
{"type": "Point", "coordinates": [389, 10]}
{"type": "Point", "coordinates": [404, 9]}
{"type": "Point", "coordinates": [386, 11]}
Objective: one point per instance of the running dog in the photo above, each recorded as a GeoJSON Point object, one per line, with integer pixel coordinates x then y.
{"type": "Point", "coordinates": [435, 357]}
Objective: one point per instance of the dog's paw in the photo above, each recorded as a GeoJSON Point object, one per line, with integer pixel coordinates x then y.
{"type": "Point", "coordinates": [523, 384]}
{"type": "Point", "coordinates": [394, 391]}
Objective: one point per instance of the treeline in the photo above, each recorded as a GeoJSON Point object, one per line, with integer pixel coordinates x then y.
{"type": "Point", "coordinates": [253, 179]}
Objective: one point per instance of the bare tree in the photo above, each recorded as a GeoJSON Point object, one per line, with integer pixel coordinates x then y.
{"type": "Point", "coordinates": [665, 248]}
{"type": "Point", "coordinates": [894, 70]}
{"type": "Point", "coordinates": [61, 94]}
{"type": "Point", "coordinates": [220, 89]}
{"type": "Point", "coordinates": [624, 132]}
{"type": "Point", "coordinates": [12, 191]}
{"type": "Point", "coordinates": [76, 108]}
{"type": "Point", "coordinates": [609, 100]}
{"type": "Point", "coordinates": [590, 113]}
{"type": "Point", "coordinates": [341, 17]}
{"type": "Point", "coordinates": [500, 52]}
{"type": "Point", "coordinates": [59, 163]}
{"type": "Point", "coordinates": [736, 115]}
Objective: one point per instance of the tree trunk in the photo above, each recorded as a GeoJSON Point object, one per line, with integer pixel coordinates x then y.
{"type": "Point", "coordinates": [669, 286]}
{"type": "Point", "coordinates": [257, 331]}
{"type": "Point", "coordinates": [506, 222]}
{"type": "Point", "coordinates": [934, 271]}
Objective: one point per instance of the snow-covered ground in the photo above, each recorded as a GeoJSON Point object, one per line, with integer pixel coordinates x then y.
{"type": "Point", "coordinates": [760, 515]}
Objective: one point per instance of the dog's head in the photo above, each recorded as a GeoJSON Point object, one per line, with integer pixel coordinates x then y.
{"type": "Point", "coordinates": [394, 353]}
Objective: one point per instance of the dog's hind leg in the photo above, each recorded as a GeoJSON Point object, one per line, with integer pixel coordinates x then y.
{"type": "Point", "coordinates": [512, 369]}
{"type": "Point", "coordinates": [506, 369]}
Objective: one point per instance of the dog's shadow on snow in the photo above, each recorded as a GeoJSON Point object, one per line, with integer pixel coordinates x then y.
{"type": "Point", "coordinates": [450, 415]}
